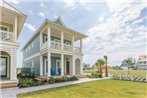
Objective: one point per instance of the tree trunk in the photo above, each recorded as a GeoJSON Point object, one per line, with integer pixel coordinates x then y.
{"type": "Point", "coordinates": [101, 70]}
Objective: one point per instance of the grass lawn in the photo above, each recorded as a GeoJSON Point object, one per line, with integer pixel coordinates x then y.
{"type": "Point", "coordinates": [119, 71]}
{"type": "Point", "coordinates": [94, 89]}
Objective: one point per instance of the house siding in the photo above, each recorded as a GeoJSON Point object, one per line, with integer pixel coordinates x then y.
{"type": "Point", "coordinates": [32, 48]}
{"type": "Point", "coordinates": [34, 64]}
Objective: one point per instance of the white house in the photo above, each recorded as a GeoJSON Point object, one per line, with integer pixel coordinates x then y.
{"type": "Point", "coordinates": [11, 23]}
{"type": "Point", "coordinates": [51, 50]}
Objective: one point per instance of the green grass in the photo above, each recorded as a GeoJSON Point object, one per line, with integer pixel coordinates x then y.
{"type": "Point", "coordinates": [94, 89]}
{"type": "Point", "coordinates": [119, 71]}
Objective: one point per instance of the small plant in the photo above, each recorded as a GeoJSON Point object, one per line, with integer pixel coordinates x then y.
{"type": "Point", "coordinates": [58, 80]}
{"type": "Point", "coordinates": [95, 75]}
{"type": "Point", "coordinates": [74, 78]}
{"type": "Point", "coordinates": [51, 80]}
{"type": "Point", "coordinates": [64, 79]}
{"type": "Point", "coordinates": [26, 82]}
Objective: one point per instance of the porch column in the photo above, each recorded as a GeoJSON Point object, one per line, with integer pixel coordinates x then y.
{"type": "Point", "coordinates": [15, 28]}
{"type": "Point", "coordinates": [73, 65]}
{"type": "Point", "coordinates": [81, 46]}
{"type": "Point", "coordinates": [62, 64]}
{"type": "Point", "coordinates": [73, 43]}
{"type": "Point", "coordinates": [49, 36]}
{"type": "Point", "coordinates": [41, 65]}
{"type": "Point", "coordinates": [81, 66]}
{"type": "Point", "coordinates": [62, 40]}
{"type": "Point", "coordinates": [49, 64]}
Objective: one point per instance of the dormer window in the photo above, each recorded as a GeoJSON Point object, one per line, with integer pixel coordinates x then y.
{"type": "Point", "coordinates": [4, 28]}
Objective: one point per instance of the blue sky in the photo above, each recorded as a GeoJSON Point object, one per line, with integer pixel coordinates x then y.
{"type": "Point", "coordinates": [114, 28]}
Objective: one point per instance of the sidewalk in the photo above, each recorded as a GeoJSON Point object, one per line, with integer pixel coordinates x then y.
{"type": "Point", "coordinates": [12, 92]}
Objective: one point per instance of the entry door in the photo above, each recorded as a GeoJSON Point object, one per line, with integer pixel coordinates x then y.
{"type": "Point", "coordinates": [3, 66]}
{"type": "Point", "coordinates": [58, 67]}
{"type": "Point", "coordinates": [46, 67]}
{"type": "Point", "coordinates": [67, 67]}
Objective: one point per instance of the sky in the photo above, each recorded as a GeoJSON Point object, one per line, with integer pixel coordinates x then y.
{"type": "Point", "coordinates": [116, 28]}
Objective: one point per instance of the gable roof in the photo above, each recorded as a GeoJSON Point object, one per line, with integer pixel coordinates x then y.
{"type": "Point", "coordinates": [59, 21]}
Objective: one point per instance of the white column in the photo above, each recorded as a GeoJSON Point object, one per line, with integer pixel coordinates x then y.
{"type": "Point", "coordinates": [41, 65]}
{"type": "Point", "coordinates": [81, 66]}
{"type": "Point", "coordinates": [73, 65]}
{"type": "Point", "coordinates": [15, 28]}
{"type": "Point", "coordinates": [49, 63]}
{"type": "Point", "coordinates": [73, 43]}
{"type": "Point", "coordinates": [49, 36]}
{"type": "Point", "coordinates": [81, 46]}
{"type": "Point", "coordinates": [62, 64]}
{"type": "Point", "coordinates": [62, 40]}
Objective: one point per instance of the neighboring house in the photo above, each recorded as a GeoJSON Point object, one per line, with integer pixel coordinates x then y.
{"type": "Point", "coordinates": [11, 23]}
{"type": "Point", "coordinates": [51, 50]}
{"type": "Point", "coordinates": [124, 66]}
{"type": "Point", "coordinates": [142, 62]}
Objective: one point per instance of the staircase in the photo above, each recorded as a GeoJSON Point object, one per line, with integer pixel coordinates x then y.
{"type": "Point", "coordinates": [7, 84]}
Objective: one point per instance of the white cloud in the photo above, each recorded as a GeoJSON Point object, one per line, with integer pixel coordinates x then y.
{"type": "Point", "coordinates": [30, 12]}
{"type": "Point", "coordinates": [70, 4]}
{"type": "Point", "coordinates": [41, 14]}
{"type": "Point", "coordinates": [13, 1]}
{"type": "Point", "coordinates": [117, 34]}
{"type": "Point", "coordinates": [30, 27]}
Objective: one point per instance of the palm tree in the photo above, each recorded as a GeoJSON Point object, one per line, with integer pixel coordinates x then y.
{"type": "Point", "coordinates": [100, 62]}
{"type": "Point", "coordinates": [98, 67]}
{"type": "Point", "coordinates": [128, 61]}
{"type": "Point", "coordinates": [106, 68]}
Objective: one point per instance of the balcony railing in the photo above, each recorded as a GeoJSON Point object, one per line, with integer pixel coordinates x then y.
{"type": "Point", "coordinates": [7, 36]}
{"type": "Point", "coordinates": [77, 50]}
{"type": "Point", "coordinates": [68, 47]}
{"type": "Point", "coordinates": [57, 45]}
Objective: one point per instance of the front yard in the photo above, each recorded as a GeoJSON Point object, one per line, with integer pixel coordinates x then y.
{"type": "Point", "coordinates": [94, 89]}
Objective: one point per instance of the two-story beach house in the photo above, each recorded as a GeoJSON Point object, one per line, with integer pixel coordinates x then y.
{"type": "Point", "coordinates": [11, 23]}
{"type": "Point", "coordinates": [51, 50]}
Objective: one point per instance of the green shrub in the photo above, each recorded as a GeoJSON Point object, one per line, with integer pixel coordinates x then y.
{"type": "Point", "coordinates": [64, 79]}
{"type": "Point", "coordinates": [58, 80]}
{"type": "Point", "coordinates": [95, 75]}
{"type": "Point", "coordinates": [74, 78]}
{"type": "Point", "coordinates": [51, 80]}
{"type": "Point", "coordinates": [26, 82]}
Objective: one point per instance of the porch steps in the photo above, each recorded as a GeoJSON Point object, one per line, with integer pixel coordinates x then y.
{"type": "Point", "coordinates": [8, 84]}
{"type": "Point", "coordinates": [41, 78]}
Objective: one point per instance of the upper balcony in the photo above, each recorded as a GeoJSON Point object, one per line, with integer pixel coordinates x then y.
{"type": "Point", "coordinates": [57, 46]}
{"type": "Point", "coordinates": [7, 36]}
{"type": "Point", "coordinates": [62, 41]}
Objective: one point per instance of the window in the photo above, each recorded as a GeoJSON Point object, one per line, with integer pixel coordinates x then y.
{"type": "Point", "coordinates": [4, 28]}
{"type": "Point", "coordinates": [29, 48]}
{"type": "Point", "coordinates": [32, 44]}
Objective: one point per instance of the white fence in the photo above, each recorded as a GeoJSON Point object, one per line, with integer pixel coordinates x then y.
{"type": "Point", "coordinates": [129, 77]}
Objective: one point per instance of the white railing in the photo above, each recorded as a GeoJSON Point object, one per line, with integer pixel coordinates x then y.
{"type": "Point", "coordinates": [55, 45]}
{"type": "Point", "coordinates": [68, 47]}
{"type": "Point", "coordinates": [44, 45]}
{"type": "Point", "coordinates": [7, 36]}
{"type": "Point", "coordinates": [77, 50]}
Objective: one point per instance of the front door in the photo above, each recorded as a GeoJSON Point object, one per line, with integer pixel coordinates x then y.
{"type": "Point", "coordinates": [58, 67]}
{"type": "Point", "coordinates": [3, 66]}
{"type": "Point", "coordinates": [46, 67]}
{"type": "Point", "coordinates": [67, 67]}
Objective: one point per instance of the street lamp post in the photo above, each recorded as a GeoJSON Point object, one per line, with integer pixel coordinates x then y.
{"type": "Point", "coordinates": [106, 69]}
